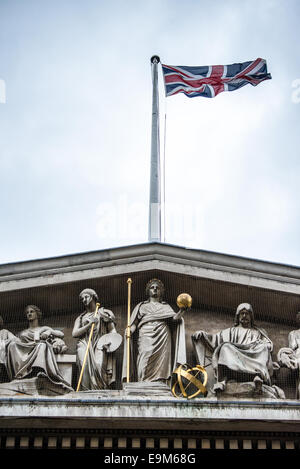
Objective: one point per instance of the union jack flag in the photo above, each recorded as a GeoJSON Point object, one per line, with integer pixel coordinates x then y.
{"type": "Point", "coordinates": [209, 81]}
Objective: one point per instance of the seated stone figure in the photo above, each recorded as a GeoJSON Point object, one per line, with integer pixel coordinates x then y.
{"type": "Point", "coordinates": [241, 353]}
{"type": "Point", "coordinates": [289, 357]}
{"type": "Point", "coordinates": [33, 353]}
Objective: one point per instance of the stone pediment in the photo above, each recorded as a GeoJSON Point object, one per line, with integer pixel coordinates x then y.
{"type": "Point", "coordinates": [217, 284]}
{"type": "Point", "coordinates": [214, 280]}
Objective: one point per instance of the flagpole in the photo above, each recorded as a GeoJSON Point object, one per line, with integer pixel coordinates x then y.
{"type": "Point", "coordinates": [154, 227]}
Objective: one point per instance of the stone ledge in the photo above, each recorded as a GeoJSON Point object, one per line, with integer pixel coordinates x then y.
{"type": "Point", "coordinates": [94, 410]}
{"type": "Point", "coordinates": [65, 358]}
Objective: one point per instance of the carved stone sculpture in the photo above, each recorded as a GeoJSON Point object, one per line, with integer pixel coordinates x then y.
{"type": "Point", "coordinates": [241, 353]}
{"type": "Point", "coordinates": [289, 357]}
{"type": "Point", "coordinates": [153, 326]}
{"type": "Point", "coordinates": [5, 337]}
{"type": "Point", "coordinates": [32, 354]}
{"type": "Point", "coordinates": [99, 371]}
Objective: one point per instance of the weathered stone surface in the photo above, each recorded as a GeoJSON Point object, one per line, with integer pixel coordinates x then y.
{"type": "Point", "coordinates": [85, 410]}
{"type": "Point", "coordinates": [38, 385]}
{"type": "Point", "coordinates": [147, 389]}
{"type": "Point", "coordinates": [66, 364]}
{"type": "Point", "coordinates": [249, 390]}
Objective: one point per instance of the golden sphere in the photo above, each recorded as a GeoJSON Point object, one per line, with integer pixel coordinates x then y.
{"type": "Point", "coordinates": [184, 300]}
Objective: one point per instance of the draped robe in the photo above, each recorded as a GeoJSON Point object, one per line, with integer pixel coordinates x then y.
{"type": "Point", "coordinates": [154, 344]}
{"type": "Point", "coordinates": [100, 367]}
{"type": "Point", "coordinates": [29, 356]}
{"type": "Point", "coordinates": [294, 345]}
{"type": "Point", "coordinates": [290, 356]}
{"type": "Point", "coordinates": [5, 337]}
{"type": "Point", "coordinates": [246, 351]}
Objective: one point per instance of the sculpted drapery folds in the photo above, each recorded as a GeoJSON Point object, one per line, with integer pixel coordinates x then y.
{"type": "Point", "coordinates": [33, 352]}
{"type": "Point", "coordinates": [100, 367]}
{"type": "Point", "coordinates": [157, 338]}
{"type": "Point", "coordinates": [5, 338]}
{"type": "Point", "coordinates": [240, 353]}
{"type": "Point", "coordinates": [290, 356]}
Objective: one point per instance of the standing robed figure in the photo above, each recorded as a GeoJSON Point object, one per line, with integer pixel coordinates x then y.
{"type": "Point", "coordinates": [100, 367]}
{"type": "Point", "coordinates": [157, 338]}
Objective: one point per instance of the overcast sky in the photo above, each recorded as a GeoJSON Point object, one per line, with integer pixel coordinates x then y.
{"type": "Point", "coordinates": [75, 127]}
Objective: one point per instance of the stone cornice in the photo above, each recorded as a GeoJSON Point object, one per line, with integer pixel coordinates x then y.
{"type": "Point", "coordinates": [265, 415]}
{"type": "Point", "coordinates": [149, 256]}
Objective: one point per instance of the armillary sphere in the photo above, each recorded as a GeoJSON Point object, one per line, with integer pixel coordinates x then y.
{"type": "Point", "coordinates": [189, 381]}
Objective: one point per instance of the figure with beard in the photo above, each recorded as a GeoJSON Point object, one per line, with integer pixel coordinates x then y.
{"type": "Point", "coordinates": [241, 353]}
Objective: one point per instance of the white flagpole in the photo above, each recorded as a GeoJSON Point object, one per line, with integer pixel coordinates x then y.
{"type": "Point", "coordinates": [154, 229]}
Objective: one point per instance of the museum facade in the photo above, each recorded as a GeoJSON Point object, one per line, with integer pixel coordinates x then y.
{"type": "Point", "coordinates": [243, 395]}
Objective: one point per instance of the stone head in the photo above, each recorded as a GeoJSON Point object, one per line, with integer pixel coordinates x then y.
{"type": "Point", "coordinates": [32, 312]}
{"type": "Point", "coordinates": [244, 314]}
{"type": "Point", "coordinates": [155, 288]}
{"type": "Point", "coordinates": [87, 295]}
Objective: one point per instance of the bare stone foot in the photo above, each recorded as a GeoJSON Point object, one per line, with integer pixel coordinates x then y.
{"type": "Point", "coordinates": [219, 386]}
{"type": "Point", "coordinates": [258, 384]}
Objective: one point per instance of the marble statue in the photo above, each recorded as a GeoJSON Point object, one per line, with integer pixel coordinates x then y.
{"type": "Point", "coordinates": [33, 352]}
{"type": "Point", "coordinates": [289, 357]}
{"type": "Point", "coordinates": [157, 338]}
{"type": "Point", "coordinates": [241, 353]}
{"type": "Point", "coordinates": [99, 371]}
{"type": "Point", "coordinates": [5, 338]}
